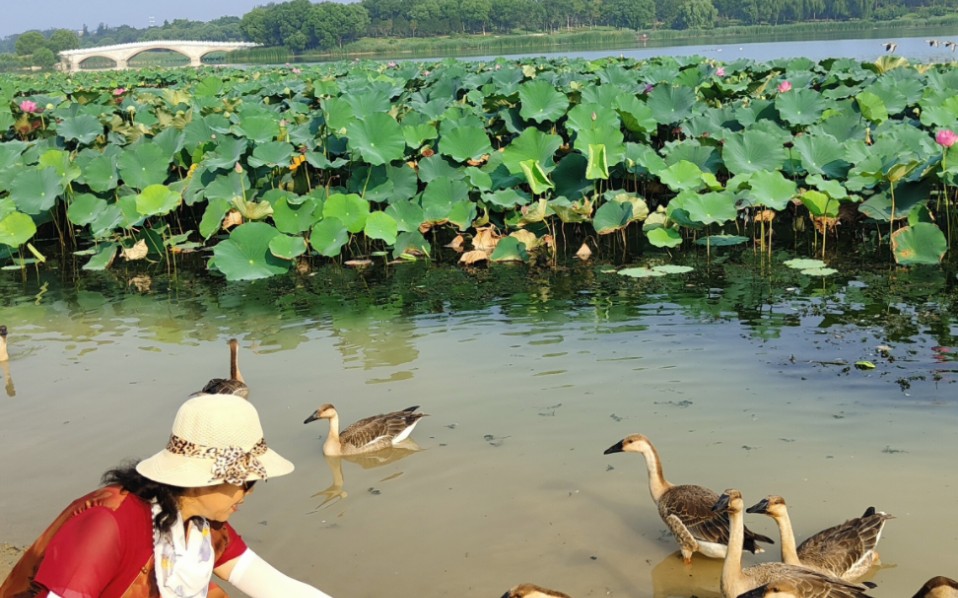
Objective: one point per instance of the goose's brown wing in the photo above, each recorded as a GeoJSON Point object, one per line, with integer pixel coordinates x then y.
{"type": "Point", "coordinates": [226, 386]}
{"type": "Point", "coordinates": [379, 429]}
{"type": "Point", "coordinates": [839, 547]}
{"type": "Point", "coordinates": [693, 506]}
{"type": "Point", "coordinates": [806, 583]}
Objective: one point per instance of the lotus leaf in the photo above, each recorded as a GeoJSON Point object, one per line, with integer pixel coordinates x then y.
{"type": "Point", "coordinates": [228, 186]}
{"type": "Point", "coordinates": [611, 217]}
{"type": "Point", "coordinates": [479, 179]}
{"type": "Point", "coordinates": [706, 158]}
{"type": "Point", "coordinates": [171, 141]}
{"type": "Point", "coordinates": [804, 264]}
{"type": "Point", "coordinates": [97, 171]}
{"type": "Point", "coordinates": [350, 209]}
{"type": "Point", "coordinates": [328, 236]}
{"type": "Point", "coordinates": [670, 104]}
{"type": "Point", "coordinates": [436, 167]}
{"type": "Point", "coordinates": [408, 215]}
{"type": "Point", "coordinates": [287, 247]}
{"type": "Point", "coordinates": [463, 139]}
{"type": "Point", "coordinates": [258, 127]}
{"type": "Point", "coordinates": [294, 218]}
{"type": "Point", "coordinates": [664, 237]}
{"type": "Point", "coordinates": [35, 191]}
{"type": "Point", "coordinates": [226, 154]}
{"type": "Point", "coordinates": [366, 102]}
{"type": "Point", "coordinates": [85, 208]}
{"type": "Point", "coordinates": [208, 87]}
{"type": "Point", "coordinates": [142, 165]}
{"type": "Point", "coordinates": [640, 272]}
{"type": "Point", "coordinates": [920, 244]}
{"type": "Point", "coordinates": [682, 176]}
{"type": "Point", "coordinates": [822, 154]}
{"type": "Point", "coordinates": [771, 189]}
{"type": "Point", "coordinates": [711, 208]}
{"type": "Point", "coordinates": [752, 151]}
{"type": "Point", "coordinates": [834, 189]}
{"type": "Point", "coordinates": [83, 128]}
{"type": "Point", "coordinates": [439, 196]}
{"type": "Point", "coordinates": [274, 154]}
{"type": "Point", "coordinates": [534, 145]}
{"type": "Point", "coordinates": [536, 176]}
{"type": "Point", "coordinates": [542, 102]}
{"type": "Point", "coordinates": [938, 111]}
{"type": "Point", "coordinates": [377, 138]}
{"type": "Point", "coordinates": [872, 107]}
{"type": "Point", "coordinates": [533, 213]}
{"type": "Point", "coordinates": [596, 125]}
{"type": "Point", "coordinates": [382, 226]}
{"type": "Point", "coordinates": [721, 240]}
{"type": "Point", "coordinates": [416, 135]}
{"type": "Point", "coordinates": [509, 249]}
{"type": "Point", "coordinates": [16, 228]}
{"type": "Point", "coordinates": [820, 272]}
{"type": "Point", "coordinates": [62, 163]}
{"type": "Point", "coordinates": [636, 115]}
{"type": "Point", "coordinates": [212, 219]}
{"type": "Point", "coordinates": [597, 166]}
{"type": "Point", "coordinates": [157, 200]}
{"type": "Point", "coordinates": [103, 258]}
{"type": "Point", "coordinates": [569, 212]}
{"type": "Point", "coordinates": [800, 107]}
{"type": "Point", "coordinates": [506, 198]}
{"type": "Point", "coordinates": [410, 245]}
{"type": "Point", "coordinates": [246, 254]}
{"type": "Point", "coordinates": [820, 204]}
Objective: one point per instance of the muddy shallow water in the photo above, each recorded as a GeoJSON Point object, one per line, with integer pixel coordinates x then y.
{"type": "Point", "coordinates": [746, 384]}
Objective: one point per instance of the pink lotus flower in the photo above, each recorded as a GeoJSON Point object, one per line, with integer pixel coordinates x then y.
{"type": "Point", "coordinates": [297, 71]}
{"type": "Point", "coordinates": [720, 71]}
{"type": "Point", "coordinates": [391, 65]}
{"type": "Point", "coordinates": [648, 88]}
{"type": "Point", "coordinates": [28, 106]}
{"type": "Point", "coordinates": [784, 86]}
{"type": "Point", "coordinates": [946, 138]}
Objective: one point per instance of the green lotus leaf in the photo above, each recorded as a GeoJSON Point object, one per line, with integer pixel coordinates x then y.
{"type": "Point", "coordinates": [328, 236]}
{"type": "Point", "coordinates": [771, 189]}
{"type": "Point", "coordinates": [820, 204]}
{"type": "Point", "coordinates": [436, 167]}
{"type": "Point", "coordinates": [275, 154]}
{"type": "Point", "coordinates": [671, 104]}
{"type": "Point", "coordinates": [257, 127]}
{"type": "Point", "coordinates": [463, 139]}
{"type": "Point", "coordinates": [672, 269]}
{"type": "Point", "coordinates": [351, 210]}
{"type": "Point", "coordinates": [410, 244]}
{"type": "Point", "coordinates": [681, 176]}
{"type": "Point", "coordinates": [642, 159]}
{"type": "Point", "coordinates": [598, 165]}
{"type": "Point", "coordinates": [382, 226]}
{"type": "Point", "coordinates": [462, 214]}
{"type": "Point", "coordinates": [97, 171]}
{"type": "Point", "coordinates": [103, 258]}
{"type": "Point", "coordinates": [721, 240]}
{"type": "Point", "coordinates": [804, 264]}
{"type": "Point", "coordinates": [228, 151]}
{"type": "Point", "coordinates": [752, 151]}
{"type": "Point", "coordinates": [536, 176]}
{"type": "Point", "coordinates": [541, 101]}
{"type": "Point", "coordinates": [287, 247]}
{"type": "Point", "coordinates": [157, 200]}
{"type": "Point", "coordinates": [82, 128]}
{"type": "Point", "coordinates": [338, 113]}
{"type": "Point", "coordinates": [506, 198]}
{"type": "Point", "coordinates": [712, 208]}
{"type": "Point", "coordinates": [611, 217]}
{"type": "Point", "coordinates": [416, 135]}
{"type": "Point", "coordinates": [636, 115]}
{"type": "Point", "coordinates": [62, 163]}
{"type": "Point", "coordinates": [251, 210]}
{"type": "Point", "coordinates": [294, 218]}
{"type": "Point", "coordinates": [212, 219]}
{"type": "Point", "coordinates": [531, 144]}
{"type": "Point", "coordinates": [480, 180]}
{"type": "Point", "coordinates": [821, 272]}
{"type": "Point", "coordinates": [639, 272]}
{"type": "Point", "coordinates": [370, 101]}
{"type": "Point", "coordinates": [228, 186]}
{"type": "Point", "coordinates": [664, 237]}
{"type": "Point", "coordinates": [569, 212]}
{"type": "Point", "coordinates": [833, 188]}
{"type": "Point", "coordinates": [208, 87]}
{"type": "Point", "coordinates": [872, 107]}
{"type": "Point", "coordinates": [707, 158]}
{"type": "Point", "coordinates": [439, 196]}
{"type": "Point", "coordinates": [85, 208]}
{"type": "Point", "coordinates": [170, 140]}
{"type": "Point", "coordinates": [800, 107]}
{"type": "Point", "coordinates": [822, 154]}
{"type": "Point", "coordinates": [592, 124]}
{"type": "Point", "coordinates": [246, 254]}
{"type": "Point", "coordinates": [509, 249]}
{"type": "Point", "coordinates": [16, 229]}
{"type": "Point", "coordinates": [922, 243]}
{"type": "Point", "coordinates": [35, 191]}
{"type": "Point", "coordinates": [407, 214]}
{"type": "Point", "coordinates": [377, 138]}
{"type": "Point", "coordinates": [142, 165]}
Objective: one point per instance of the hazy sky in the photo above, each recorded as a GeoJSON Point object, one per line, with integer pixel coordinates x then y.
{"type": "Point", "coordinates": [19, 15]}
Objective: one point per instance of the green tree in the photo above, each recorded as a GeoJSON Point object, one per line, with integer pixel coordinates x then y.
{"type": "Point", "coordinates": [44, 58]}
{"type": "Point", "coordinates": [30, 42]}
{"type": "Point", "coordinates": [631, 14]}
{"type": "Point", "coordinates": [63, 39]}
{"type": "Point", "coordinates": [696, 14]}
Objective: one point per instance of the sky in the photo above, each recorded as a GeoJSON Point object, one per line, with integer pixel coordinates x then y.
{"type": "Point", "coordinates": [19, 16]}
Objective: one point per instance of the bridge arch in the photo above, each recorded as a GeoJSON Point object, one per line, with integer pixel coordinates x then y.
{"type": "Point", "coordinates": [120, 54]}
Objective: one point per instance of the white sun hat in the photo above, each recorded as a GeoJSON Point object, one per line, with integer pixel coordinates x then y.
{"type": "Point", "coordinates": [215, 439]}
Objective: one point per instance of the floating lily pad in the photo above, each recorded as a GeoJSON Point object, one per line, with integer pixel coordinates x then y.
{"type": "Point", "coordinates": [16, 229]}
{"type": "Point", "coordinates": [804, 264]}
{"type": "Point", "coordinates": [641, 272]}
{"type": "Point", "coordinates": [920, 243]}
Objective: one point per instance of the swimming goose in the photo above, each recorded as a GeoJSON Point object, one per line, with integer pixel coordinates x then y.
{"type": "Point", "coordinates": [938, 587]}
{"type": "Point", "coordinates": [530, 590]}
{"type": "Point", "coordinates": [234, 385]}
{"type": "Point", "coordinates": [846, 550]}
{"type": "Point", "coordinates": [799, 582]}
{"type": "Point", "coordinates": [951, 45]}
{"type": "Point", "coordinates": [934, 43]}
{"type": "Point", "coordinates": [890, 46]}
{"type": "Point", "coordinates": [686, 509]}
{"type": "Point", "coordinates": [4, 356]}
{"type": "Point", "coordinates": [366, 435]}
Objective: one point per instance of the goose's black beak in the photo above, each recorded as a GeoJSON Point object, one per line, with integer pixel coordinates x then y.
{"type": "Point", "coordinates": [722, 504]}
{"type": "Point", "coordinates": [311, 418]}
{"type": "Point", "coordinates": [615, 448]}
{"type": "Point", "coordinates": [759, 507]}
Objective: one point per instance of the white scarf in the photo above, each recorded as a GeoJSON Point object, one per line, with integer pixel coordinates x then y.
{"type": "Point", "coordinates": [183, 565]}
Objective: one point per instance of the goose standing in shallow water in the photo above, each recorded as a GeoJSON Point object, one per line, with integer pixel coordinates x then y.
{"type": "Point", "coordinates": [687, 509]}
{"type": "Point", "coordinates": [938, 587]}
{"type": "Point", "coordinates": [366, 435]}
{"type": "Point", "coordinates": [846, 550]}
{"type": "Point", "coordinates": [235, 384]}
{"type": "Point", "coordinates": [4, 356]}
{"type": "Point", "coordinates": [788, 580]}
{"type": "Point", "coordinates": [531, 590]}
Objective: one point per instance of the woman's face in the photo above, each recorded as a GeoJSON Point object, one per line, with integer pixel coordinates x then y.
{"type": "Point", "coordinates": [215, 503]}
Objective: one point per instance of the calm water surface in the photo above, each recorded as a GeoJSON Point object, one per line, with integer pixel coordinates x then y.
{"type": "Point", "coordinates": [742, 377]}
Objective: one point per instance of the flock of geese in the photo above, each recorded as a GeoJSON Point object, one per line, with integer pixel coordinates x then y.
{"type": "Point", "coordinates": [934, 43]}
{"type": "Point", "coordinates": [826, 565]}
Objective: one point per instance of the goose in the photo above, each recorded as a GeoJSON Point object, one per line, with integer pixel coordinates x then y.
{"type": "Point", "coordinates": [798, 582]}
{"type": "Point", "coordinates": [951, 45]}
{"type": "Point", "coordinates": [4, 356]}
{"type": "Point", "coordinates": [531, 590]}
{"type": "Point", "coordinates": [934, 43]}
{"type": "Point", "coordinates": [890, 46]}
{"type": "Point", "coordinates": [846, 550]}
{"type": "Point", "coordinates": [366, 435]}
{"type": "Point", "coordinates": [235, 384]}
{"type": "Point", "coordinates": [686, 509]}
{"type": "Point", "coordinates": [938, 587]}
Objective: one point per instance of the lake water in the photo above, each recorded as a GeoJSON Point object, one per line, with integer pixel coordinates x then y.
{"type": "Point", "coordinates": [742, 374]}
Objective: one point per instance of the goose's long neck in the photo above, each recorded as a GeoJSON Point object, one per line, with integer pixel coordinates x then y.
{"type": "Point", "coordinates": [657, 483]}
{"type": "Point", "coordinates": [234, 362]}
{"type": "Point", "coordinates": [332, 446]}
{"type": "Point", "coordinates": [789, 551]}
{"type": "Point", "coordinates": [732, 576]}
{"type": "Point", "coordinates": [4, 356]}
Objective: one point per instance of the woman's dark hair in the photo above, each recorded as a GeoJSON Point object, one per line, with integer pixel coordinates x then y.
{"type": "Point", "coordinates": [127, 477]}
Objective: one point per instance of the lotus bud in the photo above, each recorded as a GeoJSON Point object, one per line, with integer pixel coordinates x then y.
{"type": "Point", "coordinates": [50, 106]}
{"type": "Point", "coordinates": [238, 169]}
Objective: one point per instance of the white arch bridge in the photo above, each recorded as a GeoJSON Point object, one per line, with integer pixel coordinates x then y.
{"type": "Point", "coordinates": [120, 54]}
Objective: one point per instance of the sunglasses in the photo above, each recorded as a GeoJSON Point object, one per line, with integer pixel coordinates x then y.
{"type": "Point", "coordinates": [248, 486]}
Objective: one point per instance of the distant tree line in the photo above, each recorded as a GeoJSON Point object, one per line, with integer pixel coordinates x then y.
{"type": "Point", "coordinates": [302, 25]}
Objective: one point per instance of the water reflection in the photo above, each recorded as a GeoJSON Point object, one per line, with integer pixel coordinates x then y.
{"type": "Point", "coordinates": [672, 578]}
{"type": "Point", "coordinates": [8, 379]}
{"type": "Point", "coordinates": [336, 490]}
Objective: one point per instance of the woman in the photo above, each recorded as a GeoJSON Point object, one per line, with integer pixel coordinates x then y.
{"type": "Point", "coordinates": [158, 529]}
